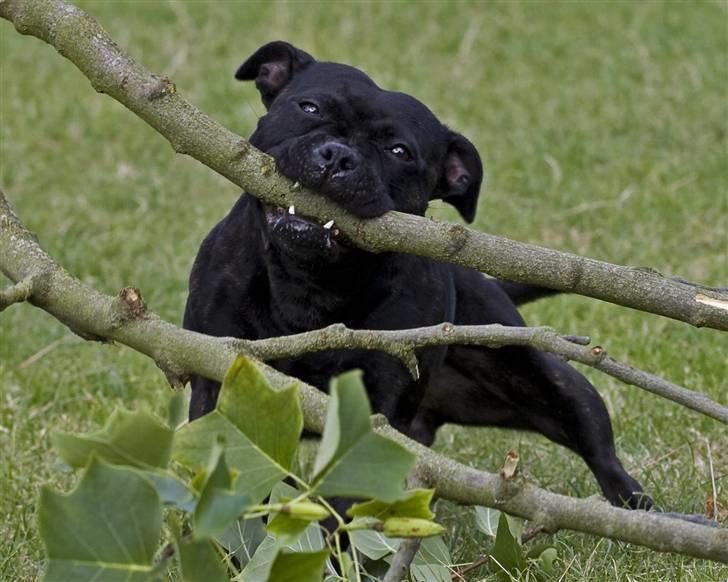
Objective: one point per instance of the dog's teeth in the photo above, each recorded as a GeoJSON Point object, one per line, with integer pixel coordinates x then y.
{"type": "Point", "coordinates": [329, 224]}
{"type": "Point", "coordinates": [291, 209]}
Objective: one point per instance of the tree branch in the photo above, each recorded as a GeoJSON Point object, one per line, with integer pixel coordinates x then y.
{"type": "Point", "coordinates": [403, 343]}
{"type": "Point", "coordinates": [126, 320]}
{"type": "Point", "coordinates": [155, 99]}
{"type": "Point", "coordinates": [179, 352]}
{"type": "Point", "coordinates": [17, 293]}
{"type": "Point", "coordinates": [402, 559]}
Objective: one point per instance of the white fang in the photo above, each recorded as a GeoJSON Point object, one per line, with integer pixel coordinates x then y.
{"type": "Point", "coordinates": [329, 224]}
{"type": "Point", "coordinates": [291, 209]}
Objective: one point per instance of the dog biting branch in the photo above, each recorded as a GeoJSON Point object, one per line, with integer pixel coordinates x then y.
{"type": "Point", "coordinates": [102, 317]}
{"type": "Point", "coordinates": [179, 353]}
{"type": "Point", "coordinates": [403, 343]}
{"type": "Point", "coordinates": [78, 37]}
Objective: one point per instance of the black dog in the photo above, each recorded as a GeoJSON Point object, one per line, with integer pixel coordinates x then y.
{"type": "Point", "coordinates": [266, 272]}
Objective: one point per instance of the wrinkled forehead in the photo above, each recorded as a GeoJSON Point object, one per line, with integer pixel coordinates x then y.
{"type": "Point", "coordinates": [355, 94]}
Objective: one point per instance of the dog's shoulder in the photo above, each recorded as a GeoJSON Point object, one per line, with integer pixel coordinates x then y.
{"type": "Point", "coordinates": [226, 267]}
{"type": "Point", "coordinates": [482, 300]}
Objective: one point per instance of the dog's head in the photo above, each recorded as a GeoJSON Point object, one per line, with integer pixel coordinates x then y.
{"type": "Point", "coordinates": [332, 129]}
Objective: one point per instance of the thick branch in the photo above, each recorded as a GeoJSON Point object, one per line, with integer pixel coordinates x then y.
{"type": "Point", "coordinates": [403, 343]}
{"type": "Point", "coordinates": [126, 320]}
{"type": "Point", "coordinates": [155, 99]}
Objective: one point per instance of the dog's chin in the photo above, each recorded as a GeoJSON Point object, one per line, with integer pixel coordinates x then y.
{"type": "Point", "coordinates": [361, 193]}
{"type": "Point", "coordinates": [304, 238]}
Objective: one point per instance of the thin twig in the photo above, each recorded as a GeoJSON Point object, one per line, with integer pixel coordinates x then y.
{"type": "Point", "coordinates": [79, 38]}
{"type": "Point", "coordinates": [473, 565]}
{"type": "Point", "coordinates": [531, 533]}
{"type": "Point", "coordinates": [408, 548]}
{"type": "Point", "coordinates": [101, 316]}
{"type": "Point", "coordinates": [403, 343]}
{"type": "Point", "coordinates": [712, 482]}
{"type": "Point", "coordinates": [402, 559]}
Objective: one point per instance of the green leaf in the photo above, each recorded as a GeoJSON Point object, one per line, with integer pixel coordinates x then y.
{"type": "Point", "coordinates": [354, 461]}
{"type": "Point", "coordinates": [132, 439]}
{"type": "Point", "coordinates": [432, 562]}
{"type": "Point", "coordinates": [301, 567]}
{"type": "Point", "coordinates": [260, 427]}
{"type": "Point", "coordinates": [259, 566]}
{"type": "Point", "coordinates": [282, 492]}
{"type": "Point", "coordinates": [544, 556]}
{"type": "Point", "coordinates": [348, 403]}
{"type": "Point", "coordinates": [507, 553]}
{"type": "Point", "coordinates": [258, 569]}
{"type": "Point", "coordinates": [415, 504]}
{"type": "Point", "coordinates": [546, 560]}
{"type": "Point", "coordinates": [218, 506]}
{"type": "Point", "coordinates": [346, 567]}
{"type": "Point", "coordinates": [371, 570]}
{"type": "Point", "coordinates": [176, 409]}
{"type": "Point", "coordinates": [137, 439]}
{"type": "Point", "coordinates": [310, 541]}
{"type": "Point", "coordinates": [270, 418]}
{"type": "Point", "coordinates": [242, 538]}
{"type": "Point", "coordinates": [486, 520]}
{"type": "Point", "coordinates": [515, 526]}
{"type": "Point", "coordinates": [108, 528]}
{"type": "Point", "coordinates": [171, 490]}
{"type": "Point", "coordinates": [200, 562]}
{"type": "Point", "coordinates": [373, 544]}
{"type": "Point", "coordinates": [286, 527]}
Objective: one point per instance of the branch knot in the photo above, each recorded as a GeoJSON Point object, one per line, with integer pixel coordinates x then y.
{"type": "Point", "coordinates": [130, 305]}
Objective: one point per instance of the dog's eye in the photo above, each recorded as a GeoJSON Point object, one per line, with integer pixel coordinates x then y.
{"type": "Point", "coordinates": [400, 151]}
{"type": "Point", "coordinates": [309, 107]}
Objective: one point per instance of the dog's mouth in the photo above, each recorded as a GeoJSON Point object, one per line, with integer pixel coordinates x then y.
{"type": "Point", "coordinates": [298, 233]}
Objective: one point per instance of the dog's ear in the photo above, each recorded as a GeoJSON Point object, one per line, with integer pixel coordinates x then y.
{"type": "Point", "coordinates": [273, 66]}
{"type": "Point", "coordinates": [462, 174]}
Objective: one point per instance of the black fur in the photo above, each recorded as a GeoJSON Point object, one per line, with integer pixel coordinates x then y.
{"type": "Point", "coordinates": [262, 272]}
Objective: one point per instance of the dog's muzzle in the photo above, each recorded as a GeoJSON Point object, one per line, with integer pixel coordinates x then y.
{"type": "Point", "coordinates": [298, 234]}
{"type": "Point", "coordinates": [337, 170]}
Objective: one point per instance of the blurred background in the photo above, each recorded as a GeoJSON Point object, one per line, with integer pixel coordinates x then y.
{"type": "Point", "coordinates": [602, 127]}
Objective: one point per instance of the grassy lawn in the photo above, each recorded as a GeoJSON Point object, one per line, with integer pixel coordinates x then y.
{"type": "Point", "coordinates": [602, 126]}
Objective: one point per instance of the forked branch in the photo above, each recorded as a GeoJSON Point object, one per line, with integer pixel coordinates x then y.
{"type": "Point", "coordinates": [125, 319]}
{"type": "Point", "coordinates": [79, 38]}
{"type": "Point", "coordinates": [404, 343]}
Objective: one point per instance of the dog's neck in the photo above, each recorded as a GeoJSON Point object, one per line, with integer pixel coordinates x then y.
{"type": "Point", "coordinates": [312, 294]}
{"type": "Point", "coordinates": [317, 294]}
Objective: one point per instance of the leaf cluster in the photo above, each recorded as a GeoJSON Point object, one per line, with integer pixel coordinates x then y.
{"type": "Point", "coordinates": [508, 557]}
{"type": "Point", "coordinates": [219, 499]}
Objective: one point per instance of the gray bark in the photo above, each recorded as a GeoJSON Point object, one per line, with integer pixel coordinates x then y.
{"type": "Point", "coordinates": [125, 319]}
{"type": "Point", "coordinates": [79, 38]}
{"type": "Point", "coordinates": [402, 344]}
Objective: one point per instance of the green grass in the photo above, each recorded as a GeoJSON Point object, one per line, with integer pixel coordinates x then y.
{"type": "Point", "coordinates": [602, 126]}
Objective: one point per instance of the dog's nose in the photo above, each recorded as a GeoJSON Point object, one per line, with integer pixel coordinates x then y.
{"type": "Point", "coordinates": [336, 157]}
